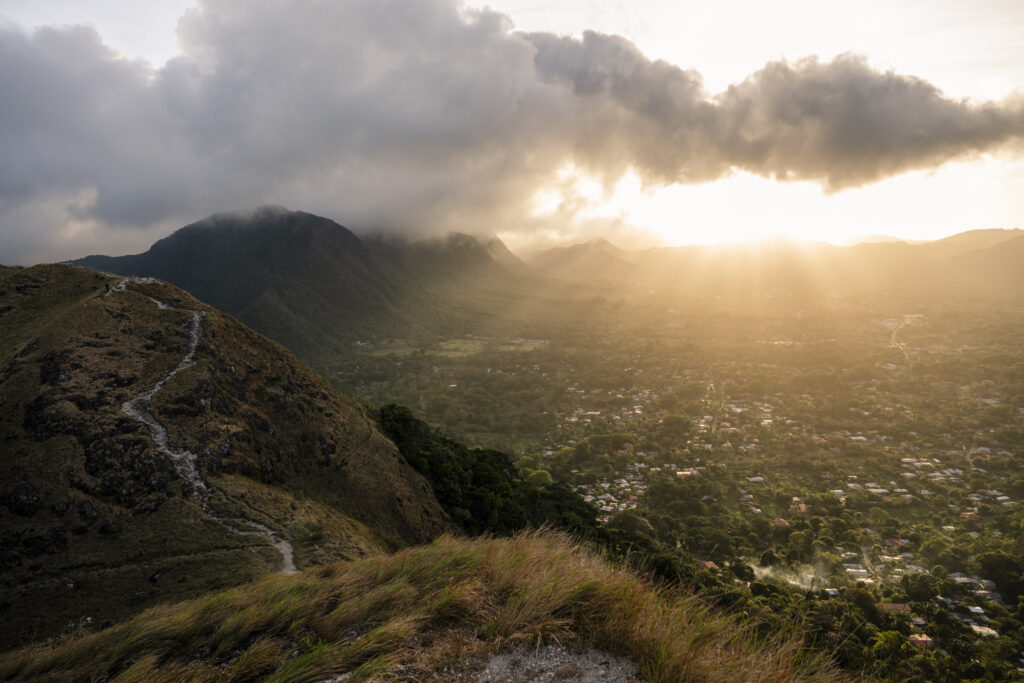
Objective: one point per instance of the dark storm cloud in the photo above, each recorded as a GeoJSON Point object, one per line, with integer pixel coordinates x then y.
{"type": "Point", "coordinates": [73, 118]}
{"type": "Point", "coordinates": [840, 123]}
{"type": "Point", "coordinates": [412, 116]}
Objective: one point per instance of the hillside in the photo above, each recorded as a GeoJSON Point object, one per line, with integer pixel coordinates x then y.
{"type": "Point", "coordinates": [594, 261]}
{"type": "Point", "coordinates": [298, 278]}
{"type": "Point", "coordinates": [998, 265]}
{"type": "Point", "coordinates": [975, 257]}
{"type": "Point", "coordinates": [155, 448]}
{"type": "Point", "coordinates": [438, 612]}
{"type": "Point", "coordinates": [317, 288]}
{"type": "Point", "coordinates": [966, 242]}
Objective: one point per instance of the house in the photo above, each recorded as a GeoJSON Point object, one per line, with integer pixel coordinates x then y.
{"type": "Point", "coordinates": [968, 582]}
{"type": "Point", "coordinates": [895, 607]}
{"type": "Point", "coordinates": [989, 595]}
{"type": "Point", "coordinates": [921, 640]}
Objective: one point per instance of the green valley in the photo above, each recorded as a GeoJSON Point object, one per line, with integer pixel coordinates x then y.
{"type": "Point", "coordinates": [844, 458]}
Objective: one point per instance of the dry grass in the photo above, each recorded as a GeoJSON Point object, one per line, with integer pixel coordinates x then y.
{"type": "Point", "coordinates": [424, 613]}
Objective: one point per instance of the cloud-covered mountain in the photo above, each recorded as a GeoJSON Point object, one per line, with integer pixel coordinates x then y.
{"type": "Point", "coordinates": [315, 287]}
{"type": "Point", "coordinates": [284, 273]}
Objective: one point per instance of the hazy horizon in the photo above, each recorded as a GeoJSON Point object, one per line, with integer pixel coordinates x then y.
{"type": "Point", "coordinates": [530, 247]}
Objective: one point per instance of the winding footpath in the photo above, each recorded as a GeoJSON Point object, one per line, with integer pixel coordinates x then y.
{"type": "Point", "coordinates": [138, 409]}
{"type": "Point", "coordinates": [902, 347]}
{"type": "Point", "coordinates": [184, 461]}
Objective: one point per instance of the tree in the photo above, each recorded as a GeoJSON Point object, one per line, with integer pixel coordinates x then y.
{"type": "Point", "coordinates": [1006, 571]}
{"type": "Point", "coordinates": [743, 572]}
{"type": "Point", "coordinates": [630, 523]}
{"type": "Point", "coordinates": [865, 602]}
{"type": "Point", "coordinates": [540, 478]}
{"type": "Point", "coordinates": [932, 548]}
{"type": "Point", "coordinates": [800, 543]}
{"type": "Point", "coordinates": [676, 426]}
{"type": "Point", "coordinates": [889, 645]}
{"type": "Point", "coordinates": [768, 558]}
{"type": "Point", "coordinates": [920, 587]}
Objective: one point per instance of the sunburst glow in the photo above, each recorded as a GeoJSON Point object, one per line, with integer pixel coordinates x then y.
{"type": "Point", "coordinates": [744, 207]}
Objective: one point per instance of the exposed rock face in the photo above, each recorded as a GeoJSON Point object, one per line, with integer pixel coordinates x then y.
{"type": "Point", "coordinates": [557, 663]}
{"type": "Point", "coordinates": [94, 489]}
{"type": "Point", "coordinates": [23, 500]}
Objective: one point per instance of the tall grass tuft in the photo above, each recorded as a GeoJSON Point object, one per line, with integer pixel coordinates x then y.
{"type": "Point", "coordinates": [425, 612]}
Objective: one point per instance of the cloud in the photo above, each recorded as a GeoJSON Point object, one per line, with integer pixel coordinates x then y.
{"type": "Point", "coordinates": [417, 116]}
{"type": "Point", "coordinates": [841, 123]}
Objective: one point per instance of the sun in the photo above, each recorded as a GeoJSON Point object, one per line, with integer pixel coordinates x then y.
{"type": "Point", "coordinates": [744, 207]}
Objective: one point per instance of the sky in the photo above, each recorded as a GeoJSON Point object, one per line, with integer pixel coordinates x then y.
{"type": "Point", "coordinates": [646, 122]}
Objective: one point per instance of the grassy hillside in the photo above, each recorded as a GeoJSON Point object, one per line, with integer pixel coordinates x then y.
{"type": "Point", "coordinates": [97, 519]}
{"type": "Point", "coordinates": [427, 613]}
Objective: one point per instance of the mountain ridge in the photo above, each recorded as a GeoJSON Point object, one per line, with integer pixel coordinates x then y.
{"type": "Point", "coordinates": [98, 506]}
{"type": "Point", "coordinates": [793, 266]}
{"type": "Point", "coordinates": [253, 265]}
{"type": "Point", "coordinates": [315, 286]}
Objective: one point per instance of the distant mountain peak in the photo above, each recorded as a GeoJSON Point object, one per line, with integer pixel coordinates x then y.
{"type": "Point", "coordinates": [602, 243]}
{"type": "Point", "coordinates": [500, 252]}
{"type": "Point", "coordinates": [267, 216]}
{"type": "Point", "coordinates": [272, 210]}
{"type": "Point", "coordinates": [872, 239]}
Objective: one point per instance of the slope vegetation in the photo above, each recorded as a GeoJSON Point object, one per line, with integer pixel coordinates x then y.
{"type": "Point", "coordinates": [154, 449]}
{"type": "Point", "coordinates": [429, 613]}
